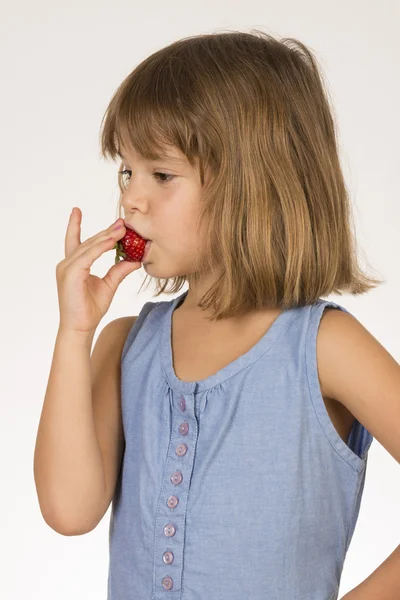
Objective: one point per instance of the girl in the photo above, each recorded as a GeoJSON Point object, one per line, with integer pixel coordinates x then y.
{"type": "Point", "coordinates": [218, 423]}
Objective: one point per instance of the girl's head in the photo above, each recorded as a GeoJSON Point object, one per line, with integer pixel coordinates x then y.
{"type": "Point", "coordinates": [259, 208]}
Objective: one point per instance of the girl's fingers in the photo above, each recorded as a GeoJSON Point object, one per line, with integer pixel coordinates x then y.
{"type": "Point", "coordinates": [80, 265]}
{"type": "Point", "coordinates": [73, 244]}
{"type": "Point", "coordinates": [73, 234]}
{"type": "Point", "coordinates": [117, 273]}
{"type": "Point", "coordinates": [86, 259]}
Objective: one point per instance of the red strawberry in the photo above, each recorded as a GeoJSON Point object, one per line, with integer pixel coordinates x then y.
{"type": "Point", "coordinates": [130, 247]}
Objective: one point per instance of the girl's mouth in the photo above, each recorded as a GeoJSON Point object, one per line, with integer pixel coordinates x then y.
{"type": "Point", "coordinates": [146, 249]}
{"type": "Point", "coordinates": [132, 229]}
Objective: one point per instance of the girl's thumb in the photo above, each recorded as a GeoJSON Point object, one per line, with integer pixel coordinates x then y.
{"type": "Point", "coordinates": [117, 273]}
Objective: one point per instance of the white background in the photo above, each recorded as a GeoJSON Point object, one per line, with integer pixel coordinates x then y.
{"type": "Point", "coordinates": [60, 65]}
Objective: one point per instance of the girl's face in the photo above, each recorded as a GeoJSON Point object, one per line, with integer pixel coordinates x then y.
{"type": "Point", "coordinates": [161, 202]}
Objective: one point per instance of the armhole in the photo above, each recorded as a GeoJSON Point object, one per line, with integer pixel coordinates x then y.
{"type": "Point", "coordinates": [355, 452]}
{"type": "Point", "coordinates": [147, 307]}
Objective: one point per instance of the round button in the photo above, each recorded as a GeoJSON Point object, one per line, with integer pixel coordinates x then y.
{"type": "Point", "coordinates": [169, 530]}
{"type": "Point", "coordinates": [176, 477]}
{"type": "Point", "coordinates": [168, 557]}
{"type": "Point", "coordinates": [181, 450]}
{"type": "Point", "coordinates": [167, 583]}
{"type": "Point", "coordinates": [172, 501]}
{"type": "Point", "coordinates": [184, 428]}
{"type": "Point", "coordinates": [182, 404]}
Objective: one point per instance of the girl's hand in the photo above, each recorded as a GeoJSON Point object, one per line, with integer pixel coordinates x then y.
{"type": "Point", "coordinates": [83, 298]}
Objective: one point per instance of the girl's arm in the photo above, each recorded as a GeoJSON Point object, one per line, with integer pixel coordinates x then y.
{"type": "Point", "coordinates": [382, 584]}
{"type": "Point", "coordinates": [68, 467]}
{"type": "Point", "coordinates": [80, 441]}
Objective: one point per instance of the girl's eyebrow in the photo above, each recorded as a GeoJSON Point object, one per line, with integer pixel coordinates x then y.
{"type": "Point", "coordinates": [171, 158]}
{"type": "Point", "coordinates": [161, 157]}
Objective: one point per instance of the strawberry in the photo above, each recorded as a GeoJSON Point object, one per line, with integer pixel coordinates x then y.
{"type": "Point", "coordinates": [130, 247]}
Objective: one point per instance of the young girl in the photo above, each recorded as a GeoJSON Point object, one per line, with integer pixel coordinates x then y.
{"type": "Point", "coordinates": [216, 422]}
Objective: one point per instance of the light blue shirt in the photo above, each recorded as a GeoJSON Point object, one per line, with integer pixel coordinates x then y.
{"type": "Point", "coordinates": [237, 486]}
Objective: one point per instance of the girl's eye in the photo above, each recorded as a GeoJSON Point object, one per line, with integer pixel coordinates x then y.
{"type": "Point", "coordinates": [169, 177]}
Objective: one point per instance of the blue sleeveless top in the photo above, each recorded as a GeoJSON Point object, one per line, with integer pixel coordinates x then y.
{"type": "Point", "coordinates": [235, 486]}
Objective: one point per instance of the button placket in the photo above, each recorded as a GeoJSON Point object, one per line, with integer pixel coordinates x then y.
{"type": "Point", "coordinates": [174, 529]}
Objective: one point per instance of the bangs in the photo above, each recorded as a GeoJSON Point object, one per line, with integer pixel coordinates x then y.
{"type": "Point", "coordinates": [146, 115]}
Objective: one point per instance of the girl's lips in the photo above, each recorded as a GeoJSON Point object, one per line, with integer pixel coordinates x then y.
{"type": "Point", "coordinates": [146, 249]}
{"type": "Point", "coordinates": [132, 229]}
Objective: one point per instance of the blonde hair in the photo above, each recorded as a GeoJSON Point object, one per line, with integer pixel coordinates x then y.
{"type": "Point", "coordinates": [252, 112]}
